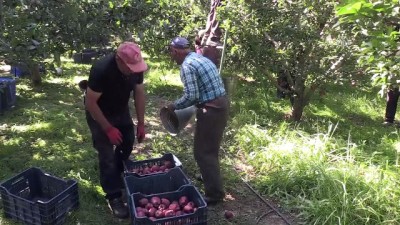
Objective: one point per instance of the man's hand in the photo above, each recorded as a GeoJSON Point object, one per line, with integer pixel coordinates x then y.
{"type": "Point", "coordinates": [140, 133]}
{"type": "Point", "coordinates": [114, 135]}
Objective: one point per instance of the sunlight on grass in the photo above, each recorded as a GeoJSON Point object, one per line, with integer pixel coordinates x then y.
{"type": "Point", "coordinates": [24, 87]}
{"type": "Point", "coordinates": [37, 95]}
{"type": "Point", "coordinates": [36, 156]}
{"type": "Point", "coordinates": [325, 112]}
{"type": "Point", "coordinates": [170, 77]}
{"type": "Point", "coordinates": [30, 128]}
{"type": "Point", "coordinates": [396, 146]}
{"type": "Point", "coordinates": [77, 79]}
{"type": "Point", "coordinates": [13, 141]}
{"type": "Point", "coordinates": [78, 137]}
{"type": "Point", "coordinates": [39, 143]}
{"type": "Point", "coordinates": [56, 80]}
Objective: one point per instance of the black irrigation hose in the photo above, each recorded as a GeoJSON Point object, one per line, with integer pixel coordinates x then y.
{"type": "Point", "coordinates": [265, 214]}
{"type": "Point", "coordinates": [262, 199]}
{"type": "Point", "coordinates": [269, 205]}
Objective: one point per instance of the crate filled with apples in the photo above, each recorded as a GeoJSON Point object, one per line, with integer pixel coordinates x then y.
{"type": "Point", "coordinates": [184, 206]}
{"type": "Point", "coordinates": [172, 180]}
{"type": "Point", "coordinates": [151, 166]}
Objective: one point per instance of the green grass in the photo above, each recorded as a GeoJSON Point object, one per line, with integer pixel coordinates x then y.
{"type": "Point", "coordinates": [337, 166]}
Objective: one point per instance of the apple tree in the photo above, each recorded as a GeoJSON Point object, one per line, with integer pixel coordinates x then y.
{"type": "Point", "coordinates": [35, 30]}
{"type": "Point", "coordinates": [294, 40]}
{"type": "Point", "coordinates": [375, 28]}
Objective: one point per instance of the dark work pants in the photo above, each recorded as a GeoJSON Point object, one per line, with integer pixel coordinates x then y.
{"type": "Point", "coordinates": [210, 128]}
{"type": "Point", "coordinates": [391, 104]}
{"type": "Point", "coordinates": [110, 158]}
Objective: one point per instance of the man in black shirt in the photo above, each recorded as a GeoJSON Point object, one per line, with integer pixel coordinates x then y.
{"type": "Point", "coordinates": [112, 80]}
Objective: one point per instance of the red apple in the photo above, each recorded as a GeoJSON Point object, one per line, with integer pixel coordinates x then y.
{"type": "Point", "coordinates": [228, 214]}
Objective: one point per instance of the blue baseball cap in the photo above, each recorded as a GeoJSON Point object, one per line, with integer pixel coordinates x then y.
{"type": "Point", "coordinates": [180, 42]}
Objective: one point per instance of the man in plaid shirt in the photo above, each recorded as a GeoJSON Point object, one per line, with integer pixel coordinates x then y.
{"type": "Point", "coordinates": [204, 88]}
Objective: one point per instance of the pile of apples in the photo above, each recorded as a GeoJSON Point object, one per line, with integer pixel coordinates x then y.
{"type": "Point", "coordinates": [164, 167]}
{"type": "Point", "coordinates": [158, 208]}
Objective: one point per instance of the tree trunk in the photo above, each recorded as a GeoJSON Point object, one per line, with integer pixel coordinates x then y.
{"type": "Point", "coordinates": [298, 108]}
{"type": "Point", "coordinates": [57, 59]}
{"type": "Point", "coordinates": [35, 74]}
{"type": "Point", "coordinates": [300, 100]}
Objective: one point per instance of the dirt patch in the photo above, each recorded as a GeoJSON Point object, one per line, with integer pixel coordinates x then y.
{"type": "Point", "coordinates": [248, 209]}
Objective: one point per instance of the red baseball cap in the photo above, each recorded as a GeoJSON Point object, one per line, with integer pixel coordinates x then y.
{"type": "Point", "coordinates": [131, 56]}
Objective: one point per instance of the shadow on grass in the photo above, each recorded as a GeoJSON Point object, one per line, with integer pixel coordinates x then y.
{"type": "Point", "coordinates": [46, 128]}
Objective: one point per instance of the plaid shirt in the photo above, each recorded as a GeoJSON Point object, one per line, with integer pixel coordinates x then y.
{"type": "Point", "coordinates": [201, 80]}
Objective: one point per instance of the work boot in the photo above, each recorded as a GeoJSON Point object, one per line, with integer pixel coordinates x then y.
{"type": "Point", "coordinates": [387, 123]}
{"type": "Point", "coordinates": [118, 208]}
{"type": "Point", "coordinates": [124, 196]}
{"type": "Point", "coordinates": [213, 201]}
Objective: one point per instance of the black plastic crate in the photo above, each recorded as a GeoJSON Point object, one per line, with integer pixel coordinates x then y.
{"type": "Point", "coordinates": [166, 182]}
{"type": "Point", "coordinates": [160, 183]}
{"type": "Point", "coordinates": [131, 167]}
{"type": "Point", "coordinates": [37, 198]}
{"type": "Point", "coordinates": [199, 217]}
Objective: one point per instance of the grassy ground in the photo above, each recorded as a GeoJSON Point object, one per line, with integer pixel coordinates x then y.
{"type": "Point", "coordinates": [338, 166]}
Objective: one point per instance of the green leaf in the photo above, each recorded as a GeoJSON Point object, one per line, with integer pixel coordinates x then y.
{"type": "Point", "coordinates": [350, 9]}
{"type": "Point", "coordinates": [110, 4]}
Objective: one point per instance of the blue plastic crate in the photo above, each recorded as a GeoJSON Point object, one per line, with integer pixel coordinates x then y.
{"type": "Point", "coordinates": [130, 166]}
{"type": "Point", "coordinates": [16, 71]}
{"type": "Point", "coordinates": [10, 90]}
{"type": "Point", "coordinates": [199, 217]}
{"type": "Point", "coordinates": [37, 198]}
{"type": "Point", "coordinates": [3, 98]}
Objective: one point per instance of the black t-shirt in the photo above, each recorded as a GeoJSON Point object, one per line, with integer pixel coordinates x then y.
{"type": "Point", "coordinates": [115, 87]}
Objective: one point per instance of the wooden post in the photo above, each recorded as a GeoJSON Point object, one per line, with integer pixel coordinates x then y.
{"type": "Point", "coordinates": [223, 52]}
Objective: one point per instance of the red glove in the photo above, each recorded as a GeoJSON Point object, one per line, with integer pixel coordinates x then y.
{"type": "Point", "coordinates": [114, 135]}
{"type": "Point", "coordinates": [141, 134]}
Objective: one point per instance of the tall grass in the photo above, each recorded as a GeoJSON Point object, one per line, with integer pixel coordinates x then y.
{"type": "Point", "coordinates": [338, 166]}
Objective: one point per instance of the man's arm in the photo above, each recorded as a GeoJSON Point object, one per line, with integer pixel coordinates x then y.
{"type": "Point", "coordinates": [91, 105]}
{"type": "Point", "coordinates": [140, 107]}
{"type": "Point", "coordinates": [190, 88]}
{"type": "Point", "coordinates": [140, 103]}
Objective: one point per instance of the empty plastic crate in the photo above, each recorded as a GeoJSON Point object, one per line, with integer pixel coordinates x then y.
{"type": "Point", "coordinates": [199, 217]}
{"type": "Point", "coordinates": [37, 198]}
{"type": "Point", "coordinates": [10, 90]}
{"type": "Point", "coordinates": [131, 167]}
